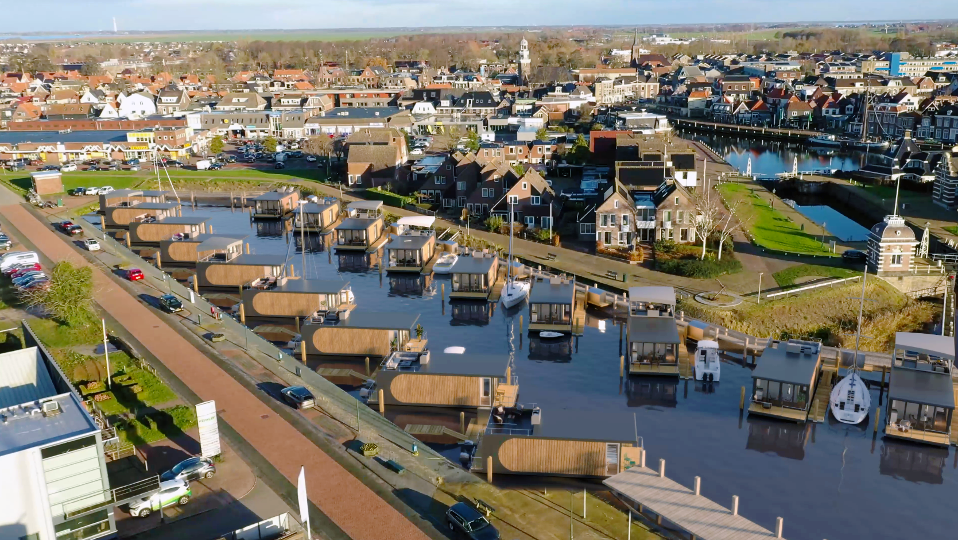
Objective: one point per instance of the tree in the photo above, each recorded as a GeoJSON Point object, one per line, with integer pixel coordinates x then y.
{"type": "Point", "coordinates": [472, 141]}
{"type": "Point", "coordinates": [518, 168]}
{"type": "Point", "coordinates": [707, 213]}
{"type": "Point", "coordinates": [542, 134]}
{"type": "Point", "coordinates": [216, 145]}
{"type": "Point", "coordinates": [91, 66]}
{"type": "Point", "coordinates": [69, 296]}
{"type": "Point", "coordinates": [320, 145]}
{"type": "Point", "coordinates": [269, 143]}
{"type": "Point", "coordinates": [729, 226]}
{"type": "Point", "coordinates": [495, 223]}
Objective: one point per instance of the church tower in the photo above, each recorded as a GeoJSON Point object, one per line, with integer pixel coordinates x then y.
{"type": "Point", "coordinates": [525, 63]}
{"type": "Point", "coordinates": [634, 57]}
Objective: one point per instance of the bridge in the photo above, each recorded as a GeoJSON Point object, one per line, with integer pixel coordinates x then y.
{"type": "Point", "coordinates": [798, 135]}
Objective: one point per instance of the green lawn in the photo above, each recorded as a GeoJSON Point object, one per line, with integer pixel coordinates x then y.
{"type": "Point", "coordinates": [769, 227]}
{"type": "Point", "coordinates": [156, 426]}
{"type": "Point", "coordinates": [787, 277]}
{"type": "Point", "coordinates": [952, 229]}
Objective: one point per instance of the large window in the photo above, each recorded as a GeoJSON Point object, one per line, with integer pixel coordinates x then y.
{"type": "Point", "coordinates": [86, 526]}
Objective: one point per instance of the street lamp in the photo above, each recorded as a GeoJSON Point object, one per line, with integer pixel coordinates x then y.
{"type": "Point", "coordinates": [760, 287]}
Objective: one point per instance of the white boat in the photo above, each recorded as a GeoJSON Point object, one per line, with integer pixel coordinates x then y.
{"type": "Point", "coordinates": [708, 367]}
{"type": "Point", "coordinates": [850, 399]}
{"type": "Point", "coordinates": [515, 292]}
{"type": "Point", "coordinates": [825, 139]}
{"type": "Point", "coordinates": [454, 350]}
{"type": "Point", "coordinates": [445, 262]}
{"type": "Point", "coordinates": [550, 335]}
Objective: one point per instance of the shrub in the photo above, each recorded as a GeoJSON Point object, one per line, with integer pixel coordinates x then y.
{"type": "Point", "coordinates": [700, 268]}
{"type": "Point", "coordinates": [665, 246]}
{"type": "Point", "coordinates": [388, 197]}
{"type": "Point", "coordinates": [102, 397]}
{"type": "Point", "coordinates": [495, 223]}
{"type": "Point", "coordinates": [619, 253]}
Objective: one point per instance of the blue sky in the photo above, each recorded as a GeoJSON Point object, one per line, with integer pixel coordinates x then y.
{"type": "Point", "coordinates": [94, 15]}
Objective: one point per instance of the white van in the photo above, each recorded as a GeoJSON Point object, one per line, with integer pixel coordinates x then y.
{"type": "Point", "coordinates": [18, 257]}
{"type": "Point", "coordinates": [69, 167]}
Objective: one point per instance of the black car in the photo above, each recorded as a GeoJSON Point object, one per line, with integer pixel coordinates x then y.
{"type": "Point", "coordinates": [854, 256]}
{"type": "Point", "coordinates": [298, 397]}
{"type": "Point", "coordinates": [215, 167]}
{"type": "Point", "coordinates": [170, 303]}
{"type": "Point", "coordinates": [49, 168]}
{"type": "Point", "coordinates": [279, 165]}
{"type": "Point", "coordinates": [230, 159]}
{"type": "Point", "coordinates": [190, 469]}
{"type": "Point", "coordinates": [173, 163]}
{"type": "Point", "coordinates": [466, 522]}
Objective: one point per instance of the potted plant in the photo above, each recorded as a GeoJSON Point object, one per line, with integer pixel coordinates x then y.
{"type": "Point", "coordinates": [419, 331]}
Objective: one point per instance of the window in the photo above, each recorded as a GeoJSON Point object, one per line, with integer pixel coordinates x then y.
{"type": "Point", "coordinates": [625, 220]}
{"type": "Point", "coordinates": [612, 220]}
{"type": "Point", "coordinates": [896, 259]}
{"type": "Point", "coordinates": [461, 186]}
{"type": "Point", "coordinates": [608, 238]}
{"type": "Point", "coordinates": [535, 200]}
{"type": "Point", "coordinates": [615, 204]}
{"type": "Point", "coordinates": [587, 228]}
{"type": "Point", "coordinates": [678, 216]}
{"type": "Point", "coordinates": [546, 222]}
{"type": "Point", "coordinates": [621, 238]}
{"type": "Point", "coordinates": [525, 185]}
{"type": "Point", "coordinates": [530, 221]}
{"type": "Point", "coordinates": [604, 220]}
{"type": "Point", "coordinates": [513, 199]}
{"type": "Point", "coordinates": [667, 216]}
{"type": "Point", "coordinates": [676, 201]}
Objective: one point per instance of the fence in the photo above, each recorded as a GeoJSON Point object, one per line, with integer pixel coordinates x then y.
{"type": "Point", "coordinates": [274, 528]}
{"type": "Point", "coordinates": [787, 292]}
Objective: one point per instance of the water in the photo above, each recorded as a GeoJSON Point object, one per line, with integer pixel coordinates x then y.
{"type": "Point", "coordinates": [834, 222]}
{"type": "Point", "coordinates": [826, 480]}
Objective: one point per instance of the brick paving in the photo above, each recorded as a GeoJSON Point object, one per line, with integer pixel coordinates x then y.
{"type": "Point", "coordinates": [343, 498]}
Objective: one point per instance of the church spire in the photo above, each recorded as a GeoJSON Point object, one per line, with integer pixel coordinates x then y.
{"type": "Point", "coordinates": [633, 57]}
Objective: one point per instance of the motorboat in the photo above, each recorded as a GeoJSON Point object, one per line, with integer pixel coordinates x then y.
{"type": "Point", "coordinates": [294, 344]}
{"type": "Point", "coordinates": [825, 139]}
{"type": "Point", "coordinates": [708, 366]}
{"type": "Point", "coordinates": [515, 292]}
{"type": "Point", "coordinates": [850, 400]}
{"type": "Point", "coordinates": [454, 350]}
{"type": "Point", "coordinates": [550, 335]}
{"type": "Point", "coordinates": [445, 262]}
{"type": "Point", "coordinates": [868, 145]}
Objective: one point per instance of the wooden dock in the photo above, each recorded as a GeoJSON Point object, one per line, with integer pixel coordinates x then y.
{"type": "Point", "coordinates": [426, 270]}
{"type": "Point", "coordinates": [421, 431]}
{"type": "Point", "coordinates": [578, 316]}
{"type": "Point", "coordinates": [378, 244]}
{"type": "Point", "coordinates": [497, 287]}
{"type": "Point", "coordinates": [338, 373]}
{"type": "Point", "coordinates": [680, 505]}
{"type": "Point", "coordinates": [823, 391]}
{"type": "Point", "coordinates": [507, 395]}
{"type": "Point", "coordinates": [954, 417]}
{"type": "Point", "coordinates": [746, 131]}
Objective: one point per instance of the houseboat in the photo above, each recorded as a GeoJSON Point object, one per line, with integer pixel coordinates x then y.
{"type": "Point", "coordinates": [653, 337]}
{"type": "Point", "coordinates": [414, 245]}
{"type": "Point", "coordinates": [784, 380]}
{"type": "Point", "coordinates": [154, 232]}
{"type": "Point", "coordinates": [275, 204]}
{"type": "Point", "coordinates": [120, 217]}
{"type": "Point", "coordinates": [551, 305]}
{"type": "Point", "coordinates": [527, 440]}
{"type": "Point", "coordinates": [131, 197]}
{"type": "Point", "coordinates": [370, 333]}
{"type": "Point", "coordinates": [202, 247]}
{"type": "Point", "coordinates": [363, 229]}
{"type": "Point", "coordinates": [467, 381]}
{"type": "Point", "coordinates": [474, 276]}
{"type": "Point", "coordinates": [286, 297]}
{"type": "Point", "coordinates": [238, 271]}
{"type": "Point", "coordinates": [921, 394]}
{"type": "Point", "coordinates": [319, 217]}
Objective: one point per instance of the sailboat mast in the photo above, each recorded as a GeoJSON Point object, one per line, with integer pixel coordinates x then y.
{"type": "Point", "coordinates": [511, 223]}
{"type": "Point", "coordinates": [861, 312]}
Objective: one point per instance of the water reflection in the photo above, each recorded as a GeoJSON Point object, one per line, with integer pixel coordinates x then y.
{"type": "Point", "coordinates": [360, 263]}
{"type": "Point", "coordinates": [918, 464]}
{"type": "Point", "coordinates": [550, 350]}
{"type": "Point", "coordinates": [272, 229]}
{"type": "Point", "coordinates": [315, 243]}
{"type": "Point", "coordinates": [772, 157]}
{"type": "Point", "coordinates": [411, 285]}
{"type": "Point", "coordinates": [652, 391]}
{"type": "Point", "coordinates": [471, 313]}
{"type": "Point", "coordinates": [783, 439]}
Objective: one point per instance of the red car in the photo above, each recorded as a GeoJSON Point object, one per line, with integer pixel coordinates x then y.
{"type": "Point", "coordinates": [28, 267]}
{"type": "Point", "coordinates": [24, 269]}
{"type": "Point", "coordinates": [134, 274]}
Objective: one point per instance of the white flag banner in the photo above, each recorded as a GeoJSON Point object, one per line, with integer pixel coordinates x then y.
{"type": "Point", "coordinates": [303, 500]}
{"type": "Point", "coordinates": [209, 429]}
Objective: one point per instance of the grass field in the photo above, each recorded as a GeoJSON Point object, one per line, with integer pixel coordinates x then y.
{"type": "Point", "coordinates": [769, 227]}
{"type": "Point", "coordinates": [787, 277]}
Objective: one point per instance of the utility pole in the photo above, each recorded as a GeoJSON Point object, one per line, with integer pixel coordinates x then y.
{"type": "Point", "coordinates": [106, 354]}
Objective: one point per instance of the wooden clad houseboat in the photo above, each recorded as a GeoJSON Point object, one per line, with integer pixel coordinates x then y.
{"type": "Point", "coordinates": [132, 197]}
{"type": "Point", "coordinates": [202, 247]}
{"type": "Point", "coordinates": [466, 381]}
{"type": "Point", "coordinates": [473, 277]}
{"type": "Point", "coordinates": [363, 229]}
{"type": "Point", "coordinates": [120, 217]}
{"type": "Point", "coordinates": [153, 232]}
{"type": "Point", "coordinates": [784, 380]}
{"type": "Point", "coordinates": [275, 204]}
{"type": "Point", "coordinates": [414, 245]}
{"type": "Point", "coordinates": [238, 271]}
{"type": "Point", "coordinates": [319, 217]}
{"type": "Point", "coordinates": [551, 305]}
{"type": "Point", "coordinates": [653, 337]}
{"type": "Point", "coordinates": [921, 393]}
{"type": "Point", "coordinates": [372, 334]}
{"type": "Point", "coordinates": [285, 297]}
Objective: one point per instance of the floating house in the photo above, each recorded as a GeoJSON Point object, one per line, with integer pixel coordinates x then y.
{"type": "Point", "coordinates": [304, 298]}
{"type": "Point", "coordinates": [372, 334]}
{"type": "Point", "coordinates": [467, 381]}
{"type": "Point", "coordinates": [275, 204]}
{"type": "Point", "coordinates": [238, 271]}
{"type": "Point", "coordinates": [202, 247]}
{"type": "Point", "coordinates": [131, 197]}
{"type": "Point", "coordinates": [653, 337]}
{"type": "Point", "coordinates": [363, 229]}
{"type": "Point", "coordinates": [414, 245]}
{"type": "Point", "coordinates": [551, 305]}
{"type": "Point", "coordinates": [473, 277]}
{"type": "Point", "coordinates": [319, 217]}
{"type": "Point", "coordinates": [154, 232]}
{"type": "Point", "coordinates": [120, 217]}
{"type": "Point", "coordinates": [526, 440]}
{"type": "Point", "coordinates": [921, 394]}
{"type": "Point", "coordinates": [784, 380]}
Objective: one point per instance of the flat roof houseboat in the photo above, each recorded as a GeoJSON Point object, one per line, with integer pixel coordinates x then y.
{"type": "Point", "coordinates": [467, 381]}
{"type": "Point", "coordinates": [275, 204]}
{"type": "Point", "coordinates": [784, 380]}
{"type": "Point", "coordinates": [154, 232]}
{"type": "Point", "coordinates": [653, 337]}
{"type": "Point", "coordinates": [120, 217]}
{"type": "Point", "coordinates": [921, 393]}
{"type": "Point", "coordinates": [363, 229]}
{"type": "Point", "coordinates": [285, 297]}
{"type": "Point", "coordinates": [238, 271]}
{"type": "Point", "coordinates": [551, 305]}
{"type": "Point", "coordinates": [202, 247]}
{"type": "Point", "coordinates": [473, 277]}
{"type": "Point", "coordinates": [319, 217]}
{"type": "Point", "coordinates": [370, 333]}
{"type": "Point", "coordinates": [414, 245]}
{"type": "Point", "coordinates": [131, 197]}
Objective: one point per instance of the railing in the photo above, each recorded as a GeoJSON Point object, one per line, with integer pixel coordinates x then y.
{"type": "Point", "coordinates": [787, 292]}
{"type": "Point", "coordinates": [469, 289]}
{"type": "Point", "coordinates": [951, 258]}
{"type": "Point", "coordinates": [93, 501]}
{"type": "Point", "coordinates": [507, 431]}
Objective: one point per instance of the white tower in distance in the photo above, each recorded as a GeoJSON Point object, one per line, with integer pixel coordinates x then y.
{"type": "Point", "coordinates": [114, 25]}
{"type": "Point", "coordinates": [525, 64]}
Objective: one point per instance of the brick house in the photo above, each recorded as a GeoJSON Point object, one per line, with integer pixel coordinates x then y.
{"type": "Point", "coordinates": [371, 165]}
{"type": "Point", "coordinates": [532, 200]}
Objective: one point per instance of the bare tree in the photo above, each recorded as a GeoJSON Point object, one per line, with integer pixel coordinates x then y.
{"type": "Point", "coordinates": [708, 214]}
{"type": "Point", "coordinates": [732, 223]}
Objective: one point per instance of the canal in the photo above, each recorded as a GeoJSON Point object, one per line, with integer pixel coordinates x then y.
{"type": "Point", "coordinates": [827, 480]}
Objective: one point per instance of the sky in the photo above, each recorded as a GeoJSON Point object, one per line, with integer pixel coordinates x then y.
{"type": "Point", "coordinates": [96, 15]}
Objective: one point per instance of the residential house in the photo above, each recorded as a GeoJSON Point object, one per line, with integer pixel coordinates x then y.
{"type": "Point", "coordinates": [532, 201]}
{"type": "Point", "coordinates": [674, 212]}
{"type": "Point", "coordinates": [945, 191]}
{"type": "Point", "coordinates": [69, 111]}
{"type": "Point", "coordinates": [137, 105]}
{"type": "Point", "coordinates": [375, 165]}
{"type": "Point", "coordinates": [434, 177]}
{"type": "Point", "coordinates": [242, 101]}
{"type": "Point", "coordinates": [171, 100]}
{"type": "Point", "coordinates": [380, 136]}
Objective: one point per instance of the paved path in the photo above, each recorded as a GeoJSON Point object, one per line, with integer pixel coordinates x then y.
{"type": "Point", "coordinates": [338, 494]}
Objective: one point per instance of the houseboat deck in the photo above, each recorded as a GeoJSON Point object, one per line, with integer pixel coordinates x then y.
{"type": "Point", "coordinates": [427, 270]}
{"type": "Point", "coordinates": [339, 373]}
{"type": "Point", "coordinates": [430, 431]}
{"type": "Point", "coordinates": [823, 391]}
{"type": "Point", "coordinates": [775, 411]}
{"type": "Point", "coordinates": [497, 287]}
{"type": "Point", "coordinates": [695, 514]}
{"type": "Point", "coordinates": [506, 395]}
{"type": "Point", "coordinates": [954, 418]}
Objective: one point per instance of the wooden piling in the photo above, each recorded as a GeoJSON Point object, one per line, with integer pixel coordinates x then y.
{"type": "Point", "coordinates": [462, 422]}
{"type": "Point", "coordinates": [242, 313]}
{"type": "Point", "coordinates": [232, 203]}
{"type": "Point", "coordinates": [196, 283]}
{"type": "Point", "coordinates": [193, 199]}
{"type": "Point", "coordinates": [877, 417]}
{"type": "Point", "coordinates": [741, 401]}
{"type": "Point", "coordinates": [159, 259]}
{"type": "Point", "coordinates": [621, 366]}
{"type": "Point", "coordinates": [367, 366]}
{"type": "Point", "coordinates": [382, 402]}
{"type": "Point", "coordinates": [302, 348]}
{"type": "Point", "coordinates": [247, 248]}
{"type": "Point", "coordinates": [489, 469]}
{"type": "Point", "coordinates": [443, 292]}
{"type": "Point", "coordinates": [520, 323]}
{"type": "Point", "coordinates": [297, 326]}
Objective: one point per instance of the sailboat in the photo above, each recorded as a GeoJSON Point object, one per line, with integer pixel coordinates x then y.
{"type": "Point", "coordinates": [850, 400]}
{"type": "Point", "coordinates": [514, 291]}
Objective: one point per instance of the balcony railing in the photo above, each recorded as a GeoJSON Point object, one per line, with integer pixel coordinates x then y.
{"type": "Point", "coordinates": [107, 497]}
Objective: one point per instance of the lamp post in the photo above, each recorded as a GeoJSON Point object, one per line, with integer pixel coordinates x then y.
{"type": "Point", "coordinates": [760, 274]}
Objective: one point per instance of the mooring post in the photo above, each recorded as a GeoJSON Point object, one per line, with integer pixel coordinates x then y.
{"type": "Point", "coordinates": [642, 457]}
{"type": "Point", "coordinates": [621, 366]}
{"type": "Point", "coordinates": [193, 199]}
{"type": "Point", "coordinates": [520, 323]}
{"type": "Point", "coordinates": [382, 403]}
{"type": "Point", "coordinates": [741, 400]}
{"type": "Point", "coordinates": [462, 422]}
{"type": "Point", "coordinates": [242, 313]}
{"type": "Point", "coordinates": [247, 248]}
{"type": "Point", "coordinates": [297, 325]}
{"type": "Point", "coordinates": [734, 505]}
{"type": "Point", "coordinates": [661, 468]}
{"type": "Point", "coordinates": [698, 485]}
{"type": "Point", "coordinates": [302, 348]}
{"type": "Point", "coordinates": [779, 524]}
{"type": "Point", "coordinates": [444, 292]}
{"type": "Point", "coordinates": [877, 417]}
{"type": "Point", "coordinates": [489, 469]}
{"type": "Point", "coordinates": [367, 366]}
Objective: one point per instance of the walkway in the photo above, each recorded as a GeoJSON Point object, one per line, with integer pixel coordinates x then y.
{"type": "Point", "coordinates": [338, 494]}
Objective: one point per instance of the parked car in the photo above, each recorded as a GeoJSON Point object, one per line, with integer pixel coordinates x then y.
{"type": "Point", "coordinates": [170, 303]}
{"type": "Point", "coordinates": [42, 283]}
{"type": "Point", "coordinates": [311, 159]}
{"type": "Point", "coordinates": [215, 167]}
{"type": "Point", "coordinates": [20, 270]}
{"type": "Point", "coordinates": [69, 167]}
{"type": "Point", "coordinates": [172, 492]}
{"type": "Point", "coordinates": [173, 163]}
{"type": "Point", "coordinates": [133, 161]}
{"type": "Point", "coordinates": [28, 277]}
{"type": "Point", "coordinates": [298, 397]}
{"type": "Point", "coordinates": [854, 256]}
{"type": "Point", "coordinates": [91, 244]}
{"type": "Point", "coordinates": [134, 274]}
{"type": "Point", "coordinates": [193, 468]}
{"type": "Point", "coordinates": [5, 242]}
{"type": "Point", "coordinates": [416, 152]}
{"type": "Point", "coordinates": [466, 522]}
{"type": "Point", "coordinates": [35, 162]}
{"type": "Point", "coordinates": [26, 267]}
{"type": "Point", "coordinates": [64, 225]}
{"type": "Point", "coordinates": [230, 159]}
{"type": "Point", "coordinates": [75, 230]}
{"type": "Point", "coordinates": [78, 191]}
{"type": "Point", "coordinates": [279, 165]}
{"type": "Point", "coordinates": [104, 190]}
{"type": "Point", "coordinates": [92, 191]}
{"type": "Point", "coordinates": [49, 168]}
{"type": "Point", "coordinates": [17, 258]}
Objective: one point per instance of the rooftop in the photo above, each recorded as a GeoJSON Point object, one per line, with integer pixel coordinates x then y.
{"type": "Point", "coordinates": [654, 295]}
{"type": "Point", "coordinates": [473, 265]}
{"type": "Point", "coordinates": [546, 292]}
{"type": "Point", "coordinates": [53, 137]}
{"type": "Point", "coordinates": [408, 242]}
{"type": "Point", "coordinates": [273, 196]}
{"type": "Point", "coordinates": [788, 361]}
{"type": "Point", "coordinates": [183, 220]}
{"type": "Point", "coordinates": [566, 424]}
{"type": "Point", "coordinates": [378, 320]}
{"type": "Point", "coordinates": [357, 223]}
{"type": "Point", "coordinates": [257, 260]}
{"type": "Point", "coordinates": [315, 286]}
{"type": "Point", "coordinates": [476, 365]}
{"type": "Point", "coordinates": [653, 330]}
{"type": "Point", "coordinates": [921, 387]}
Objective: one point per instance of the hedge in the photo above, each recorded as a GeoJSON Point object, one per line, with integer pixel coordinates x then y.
{"type": "Point", "coordinates": [700, 268]}
{"type": "Point", "coordinates": [388, 197]}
